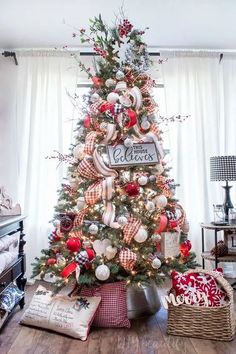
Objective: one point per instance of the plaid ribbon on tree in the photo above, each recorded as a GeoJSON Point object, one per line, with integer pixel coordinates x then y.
{"type": "Point", "coordinates": [86, 169]}
{"type": "Point", "coordinates": [93, 193]}
{"type": "Point", "coordinates": [76, 233]}
{"type": "Point", "coordinates": [130, 229]}
{"type": "Point", "coordinates": [127, 259]}
{"type": "Point", "coordinates": [94, 108]}
{"type": "Point", "coordinates": [155, 129]}
{"type": "Point", "coordinates": [79, 219]}
{"type": "Point", "coordinates": [90, 142]}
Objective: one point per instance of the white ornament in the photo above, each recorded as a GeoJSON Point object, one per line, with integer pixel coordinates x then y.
{"type": "Point", "coordinates": [145, 125]}
{"type": "Point", "coordinates": [156, 263]}
{"type": "Point", "coordinates": [110, 252]}
{"type": "Point", "coordinates": [125, 101]}
{"type": "Point", "coordinates": [120, 75]}
{"type": "Point", "coordinates": [141, 235]}
{"type": "Point", "coordinates": [128, 142]}
{"type": "Point", "coordinates": [93, 229]}
{"type": "Point", "coordinates": [94, 97]}
{"type": "Point", "coordinates": [112, 97]}
{"type": "Point", "coordinates": [161, 201]}
{"type": "Point", "coordinates": [80, 203]}
{"type": "Point", "coordinates": [150, 206]}
{"type": "Point", "coordinates": [143, 180]}
{"type": "Point", "coordinates": [102, 272]}
{"type": "Point", "coordinates": [100, 246]}
{"type": "Point", "coordinates": [110, 83]}
{"type": "Point", "coordinates": [122, 220]}
{"type": "Point", "coordinates": [78, 152]}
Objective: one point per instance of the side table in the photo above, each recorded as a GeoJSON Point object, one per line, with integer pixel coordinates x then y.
{"type": "Point", "coordinates": [10, 225]}
{"type": "Point", "coordinates": [206, 255]}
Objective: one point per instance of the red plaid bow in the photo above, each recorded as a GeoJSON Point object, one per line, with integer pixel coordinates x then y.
{"type": "Point", "coordinates": [79, 219]}
{"type": "Point", "coordinates": [86, 169]}
{"type": "Point", "coordinates": [90, 142]}
{"type": "Point", "coordinates": [93, 193]}
{"type": "Point", "coordinates": [127, 259]}
{"type": "Point", "coordinates": [131, 228]}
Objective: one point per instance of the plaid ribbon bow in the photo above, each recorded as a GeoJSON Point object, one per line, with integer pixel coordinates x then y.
{"type": "Point", "coordinates": [131, 228]}
{"type": "Point", "coordinates": [86, 169]}
{"type": "Point", "coordinates": [127, 259]}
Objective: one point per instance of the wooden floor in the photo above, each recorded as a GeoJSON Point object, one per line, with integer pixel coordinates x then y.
{"type": "Point", "coordinates": [146, 336]}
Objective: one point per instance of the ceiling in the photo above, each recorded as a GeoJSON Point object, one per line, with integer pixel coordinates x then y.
{"type": "Point", "coordinates": [205, 24]}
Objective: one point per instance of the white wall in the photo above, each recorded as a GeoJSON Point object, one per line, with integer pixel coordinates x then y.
{"type": "Point", "coordinates": [8, 144]}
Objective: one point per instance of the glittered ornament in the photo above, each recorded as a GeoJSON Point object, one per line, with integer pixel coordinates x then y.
{"type": "Point", "coordinates": [110, 83]}
{"type": "Point", "coordinates": [141, 235]}
{"type": "Point", "coordinates": [93, 229]}
{"type": "Point", "coordinates": [173, 224]}
{"type": "Point", "coordinates": [87, 122]}
{"type": "Point", "coordinates": [152, 178]}
{"type": "Point", "coordinates": [120, 75]}
{"type": "Point", "coordinates": [102, 272]}
{"type": "Point", "coordinates": [78, 152]}
{"type": "Point", "coordinates": [97, 81]}
{"type": "Point", "coordinates": [66, 223]}
{"type": "Point", "coordinates": [112, 97]}
{"type": "Point", "coordinates": [51, 261]}
{"type": "Point", "coordinates": [94, 97]}
{"type": "Point", "coordinates": [143, 180]}
{"type": "Point", "coordinates": [73, 244]}
{"type": "Point", "coordinates": [122, 220]}
{"type": "Point", "coordinates": [156, 263]}
{"type": "Point", "coordinates": [161, 201]}
{"type": "Point", "coordinates": [184, 248]}
{"type": "Point", "coordinates": [128, 142]}
{"type": "Point", "coordinates": [132, 189]}
{"type": "Point", "coordinates": [150, 206]}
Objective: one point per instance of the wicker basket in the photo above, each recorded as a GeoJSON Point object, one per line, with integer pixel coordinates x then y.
{"type": "Point", "coordinates": [216, 323]}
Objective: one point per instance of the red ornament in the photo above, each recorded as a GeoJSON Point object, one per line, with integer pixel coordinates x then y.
{"type": "Point", "coordinates": [73, 244]}
{"type": "Point", "coordinates": [56, 235]}
{"type": "Point", "coordinates": [173, 224]}
{"type": "Point", "coordinates": [51, 261]}
{"type": "Point", "coordinates": [97, 81]}
{"type": "Point", "coordinates": [185, 247]}
{"type": "Point", "coordinates": [132, 189]}
{"type": "Point", "coordinates": [87, 122]}
{"type": "Point", "coordinates": [68, 270]}
{"type": "Point", "coordinates": [132, 118]}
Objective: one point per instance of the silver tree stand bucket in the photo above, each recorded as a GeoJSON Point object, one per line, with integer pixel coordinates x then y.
{"type": "Point", "coordinates": [142, 300]}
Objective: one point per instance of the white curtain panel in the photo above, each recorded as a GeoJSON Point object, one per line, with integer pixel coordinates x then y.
{"type": "Point", "coordinates": [200, 86]}
{"type": "Point", "coordinates": [45, 122]}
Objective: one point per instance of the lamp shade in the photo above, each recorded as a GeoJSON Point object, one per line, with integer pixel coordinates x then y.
{"type": "Point", "coordinates": [223, 168]}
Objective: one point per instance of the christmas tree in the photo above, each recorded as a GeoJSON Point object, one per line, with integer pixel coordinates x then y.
{"type": "Point", "coordinates": [117, 217]}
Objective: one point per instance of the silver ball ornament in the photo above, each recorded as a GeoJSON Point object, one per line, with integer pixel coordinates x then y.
{"type": "Point", "coordinates": [150, 206]}
{"type": "Point", "coordinates": [142, 180]}
{"type": "Point", "coordinates": [152, 178]}
{"type": "Point", "coordinates": [120, 75]}
{"type": "Point", "coordinates": [110, 83]}
{"type": "Point", "coordinates": [141, 235]}
{"type": "Point", "coordinates": [122, 220]}
{"type": "Point", "coordinates": [161, 201]}
{"type": "Point", "coordinates": [94, 97]}
{"type": "Point", "coordinates": [93, 229]}
{"type": "Point", "coordinates": [156, 263]}
{"type": "Point", "coordinates": [102, 272]}
{"type": "Point", "coordinates": [145, 125]}
{"type": "Point", "coordinates": [112, 97]}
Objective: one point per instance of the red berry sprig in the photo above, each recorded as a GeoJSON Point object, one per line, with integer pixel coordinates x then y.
{"type": "Point", "coordinates": [125, 28]}
{"type": "Point", "coordinates": [103, 53]}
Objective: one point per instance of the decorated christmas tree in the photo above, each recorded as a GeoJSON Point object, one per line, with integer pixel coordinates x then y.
{"type": "Point", "coordinates": [117, 217]}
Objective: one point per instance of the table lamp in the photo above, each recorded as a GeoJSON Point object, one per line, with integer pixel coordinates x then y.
{"type": "Point", "coordinates": [223, 168]}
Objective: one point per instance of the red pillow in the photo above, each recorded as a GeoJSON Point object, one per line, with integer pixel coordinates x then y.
{"type": "Point", "coordinates": [112, 311]}
{"type": "Point", "coordinates": [189, 284]}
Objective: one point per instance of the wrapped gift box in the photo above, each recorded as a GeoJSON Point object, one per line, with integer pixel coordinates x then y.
{"type": "Point", "coordinates": [170, 244]}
